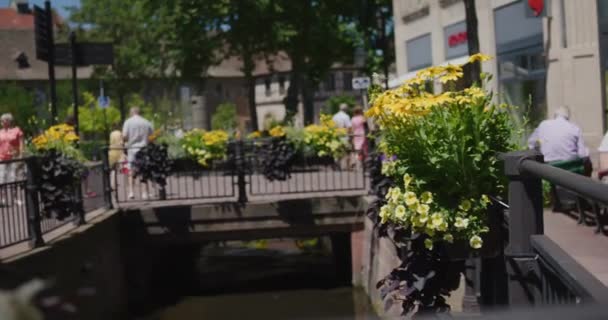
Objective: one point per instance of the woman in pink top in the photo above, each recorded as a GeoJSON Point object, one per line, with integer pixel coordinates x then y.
{"type": "Point", "coordinates": [11, 147]}
{"type": "Point", "coordinates": [358, 124]}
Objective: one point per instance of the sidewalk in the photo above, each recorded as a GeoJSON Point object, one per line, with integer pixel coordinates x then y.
{"type": "Point", "coordinates": [579, 241]}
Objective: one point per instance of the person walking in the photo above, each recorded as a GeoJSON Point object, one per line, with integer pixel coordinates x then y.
{"type": "Point", "coordinates": [341, 118]}
{"type": "Point", "coordinates": [136, 131]}
{"type": "Point", "coordinates": [358, 128]}
{"type": "Point", "coordinates": [11, 147]}
{"type": "Point", "coordinates": [116, 152]}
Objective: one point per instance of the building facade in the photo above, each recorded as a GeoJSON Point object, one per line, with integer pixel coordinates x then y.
{"type": "Point", "coordinates": [547, 53]}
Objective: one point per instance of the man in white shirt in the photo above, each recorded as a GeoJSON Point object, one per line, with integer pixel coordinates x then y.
{"type": "Point", "coordinates": [559, 139]}
{"type": "Point", "coordinates": [136, 131]}
{"type": "Point", "coordinates": [341, 118]}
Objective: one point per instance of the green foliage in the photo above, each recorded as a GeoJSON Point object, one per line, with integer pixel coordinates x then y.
{"type": "Point", "coordinates": [93, 120]}
{"type": "Point", "coordinates": [332, 105]}
{"type": "Point", "coordinates": [224, 117]}
{"type": "Point", "coordinates": [20, 103]}
{"type": "Point", "coordinates": [174, 146]}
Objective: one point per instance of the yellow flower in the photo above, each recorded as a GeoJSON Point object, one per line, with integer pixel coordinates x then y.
{"type": "Point", "coordinates": [423, 217]}
{"type": "Point", "coordinates": [426, 197]}
{"type": "Point", "coordinates": [479, 57]}
{"type": "Point", "coordinates": [448, 238]}
{"type": "Point", "coordinates": [461, 223]}
{"type": "Point", "coordinates": [443, 226]}
{"type": "Point", "coordinates": [465, 205]}
{"type": "Point", "coordinates": [253, 135]}
{"type": "Point", "coordinates": [436, 220]}
{"type": "Point", "coordinates": [384, 214]}
{"type": "Point", "coordinates": [428, 243]}
{"type": "Point", "coordinates": [277, 131]}
{"type": "Point", "coordinates": [450, 77]}
{"type": "Point", "coordinates": [476, 242]}
{"type": "Point", "coordinates": [407, 179]}
{"type": "Point", "coordinates": [485, 200]}
{"type": "Point", "coordinates": [400, 212]}
{"type": "Point", "coordinates": [423, 209]}
{"type": "Point", "coordinates": [410, 199]}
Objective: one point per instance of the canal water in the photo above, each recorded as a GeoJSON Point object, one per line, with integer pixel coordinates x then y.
{"type": "Point", "coordinates": [273, 279]}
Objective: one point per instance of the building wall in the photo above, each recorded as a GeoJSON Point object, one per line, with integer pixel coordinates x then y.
{"type": "Point", "coordinates": [574, 75]}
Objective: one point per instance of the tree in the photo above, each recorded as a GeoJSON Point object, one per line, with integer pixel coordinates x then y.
{"type": "Point", "coordinates": [249, 34]}
{"type": "Point", "coordinates": [315, 35]}
{"type": "Point", "coordinates": [21, 104]}
{"type": "Point", "coordinates": [377, 35]}
{"type": "Point", "coordinates": [224, 117]}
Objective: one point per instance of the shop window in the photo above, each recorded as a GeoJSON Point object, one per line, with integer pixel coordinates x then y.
{"type": "Point", "coordinates": [419, 54]}
{"type": "Point", "coordinates": [330, 82]}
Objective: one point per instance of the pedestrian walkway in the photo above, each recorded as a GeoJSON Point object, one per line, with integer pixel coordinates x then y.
{"type": "Point", "coordinates": [579, 241]}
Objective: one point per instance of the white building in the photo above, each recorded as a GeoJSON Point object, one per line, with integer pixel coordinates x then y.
{"type": "Point", "coordinates": [548, 53]}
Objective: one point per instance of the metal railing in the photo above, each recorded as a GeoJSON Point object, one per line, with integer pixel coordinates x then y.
{"type": "Point", "coordinates": [539, 272]}
{"type": "Point", "coordinates": [22, 215]}
{"type": "Point", "coordinates": [241, 176]}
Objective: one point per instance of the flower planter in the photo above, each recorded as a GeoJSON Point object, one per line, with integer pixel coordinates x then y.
{"type": "Point", "coordinates": [492, 241]}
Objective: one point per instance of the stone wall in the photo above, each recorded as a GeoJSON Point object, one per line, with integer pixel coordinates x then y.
{"type": "Point", "coordinates": [85, 268]}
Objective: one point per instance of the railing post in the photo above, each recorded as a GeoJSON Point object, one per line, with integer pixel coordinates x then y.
{"type": "Point", "coordinates": [107, 186]}
{"type": "Point", "coordinates": [525, 220]}
{"type": "Point", "coordinates": [32, 204]}
{"type": "Point", "coordinates": [80, 218]}
{"type": "Point", "coordinates": [240, 163]}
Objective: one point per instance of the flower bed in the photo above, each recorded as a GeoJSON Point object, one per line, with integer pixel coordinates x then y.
{"type": "Point", "coordinates": [61, 166]}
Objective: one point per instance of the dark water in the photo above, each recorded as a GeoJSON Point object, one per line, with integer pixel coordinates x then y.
{"type": "Point", "coordinates": [271, 280]}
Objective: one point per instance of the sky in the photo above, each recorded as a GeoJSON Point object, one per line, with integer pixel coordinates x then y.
{"type": "Point", "coordinates": [59, 5]}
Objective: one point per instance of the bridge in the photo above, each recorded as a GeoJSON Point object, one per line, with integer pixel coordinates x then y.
{"type": "Point", "coordinates": [550, 258]}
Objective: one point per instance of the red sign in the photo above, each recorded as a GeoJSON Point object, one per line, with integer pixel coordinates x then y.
{"type": "Point", "coordinates": [537, 6]}
{"type": "Point", "coordinates": [457, 39]}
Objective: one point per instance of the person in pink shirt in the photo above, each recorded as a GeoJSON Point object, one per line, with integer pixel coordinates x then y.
{"type": "Point", "coordinates": [11, 147]}
{"type": "Point", "coordinates": [358, 128]}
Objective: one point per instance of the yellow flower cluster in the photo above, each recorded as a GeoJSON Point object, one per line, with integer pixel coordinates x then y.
{"type": "Point", "coordinates": [61, 133]}
{"type": "Point", "coordinates": [325, 138]}
{"type": "Point", "coordinates": [277, 131]}
{"type": "Point", "coordinates": [411, 98]}
{"type": "Point", "coordinates": [419, 211]}
{"type": "Point", "coordinates": [254, 135]}
{"type": "Point", "coordinates": [206, 146]}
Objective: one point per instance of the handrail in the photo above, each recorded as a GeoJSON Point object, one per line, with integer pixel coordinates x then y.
{"type": "Point", "coordinates": [576, 278]}
{"type": "Point", "coordinates": [582, 185]}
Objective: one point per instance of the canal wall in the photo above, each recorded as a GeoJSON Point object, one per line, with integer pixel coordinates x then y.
{"type": "Point", "coordinates": [84, 268]}
{"type": "Point", "coordinates": [374, 257]}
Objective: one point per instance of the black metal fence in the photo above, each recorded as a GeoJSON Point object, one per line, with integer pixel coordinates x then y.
{"type": "Point", "coordinates": [538, 271]}
{"type": "Point", "coordinates": [22, 217]}
{"type": "Point", "coordinates": [241, 176]}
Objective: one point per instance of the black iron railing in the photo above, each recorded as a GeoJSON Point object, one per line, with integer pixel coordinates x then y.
{"type": "Point", "coordinates": [241, 176]}
{"type": "Point", "coordinates": [22, 217]}
{"type": "Point", "coordinates": [539, 272]}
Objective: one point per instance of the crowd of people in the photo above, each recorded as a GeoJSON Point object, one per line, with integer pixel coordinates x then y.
{"type": "Point", "coordinates": [357, 127]}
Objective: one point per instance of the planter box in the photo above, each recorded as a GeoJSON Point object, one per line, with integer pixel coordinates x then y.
{"type": "Point", "coordinates": [191, 167]}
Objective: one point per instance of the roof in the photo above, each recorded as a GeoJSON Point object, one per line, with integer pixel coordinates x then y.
{"type": "Point", "coordinates": [232, 66]}
{"type": "Point", "coordinates": [18, 42]}
{"type": "Point", "coordinates": [11, 19]}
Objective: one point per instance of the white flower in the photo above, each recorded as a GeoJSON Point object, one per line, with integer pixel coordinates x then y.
{"type": "Point", "coordinates": [428, 243]}
{"type": "Point", "coordinates": [400, 212]}
{"type": "Point", "coordinates": [475, 242]}
{"type": "Point", "coordinates": [465, 205]}
{"type": "Point", "coordinates": [426, 197]}
{"type": "Point", "coordinates": [385, 214]}
{"type": "Point", "coordinates": [410, 199]}
{"type": "Point", "coordinates": [436, 220]}
{"type": "Point", "coordinates": [461, 223]}
{"type": "Point", "coordinates": [423, 209]}
{"type": "Point", "coordinates": [407, 179]}
{"type": "Point", "coordinates": [448, 238]}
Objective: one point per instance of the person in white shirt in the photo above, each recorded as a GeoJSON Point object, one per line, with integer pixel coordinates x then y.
{"type": "Point", "coordinates": [341, 118]}
{"type": "Point", "coordinates": [136, 131]}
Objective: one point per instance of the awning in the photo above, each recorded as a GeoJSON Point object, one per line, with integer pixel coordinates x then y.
{"type": "Point", "coordinates": [393, 83]}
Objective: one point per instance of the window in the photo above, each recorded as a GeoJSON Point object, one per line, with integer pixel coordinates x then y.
{"type": "Point", "coordinates": [419, 53]}
{"type": "Point", "coordinates": [267, 86]}
{"type": "Point", "coordinates": [347, 81]}
{"type": "Point", "coordinates": [281, 84]}
{"type": "Point", "coordinates": [330, 82]}
{"type": "Point", "coordinates": [218, 89]}
{"type": "Point", "coordinates": [455, 40]}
